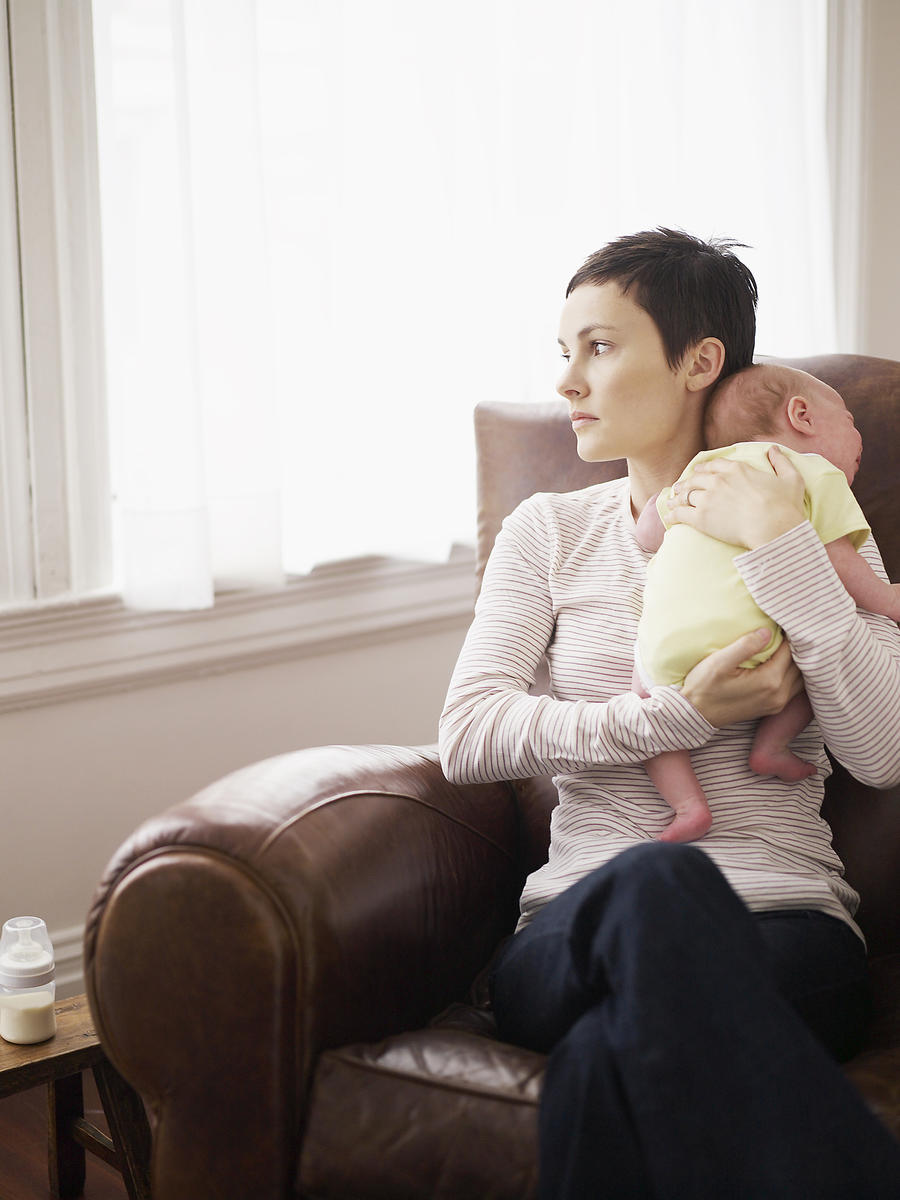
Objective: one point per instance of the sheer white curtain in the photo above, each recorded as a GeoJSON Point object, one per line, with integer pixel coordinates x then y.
{"type": "Point", "coordinates": [332, 226]}
{"type": "Point", "coordinates": [190, 368]}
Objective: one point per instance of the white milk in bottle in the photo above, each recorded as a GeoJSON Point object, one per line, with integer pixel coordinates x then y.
{"type": "Point", "coordinates": [27, 982]}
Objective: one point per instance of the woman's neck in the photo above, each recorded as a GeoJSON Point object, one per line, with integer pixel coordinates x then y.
{"type": "Point", "coordinates": [647, 478]}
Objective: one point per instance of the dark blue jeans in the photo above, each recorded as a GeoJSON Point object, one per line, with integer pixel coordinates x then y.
{"type": "Point", "coordinates": [687, 1041]}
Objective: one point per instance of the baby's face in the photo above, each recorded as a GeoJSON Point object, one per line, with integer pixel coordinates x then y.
{"type": "Point", "coordinates": [836, 437]}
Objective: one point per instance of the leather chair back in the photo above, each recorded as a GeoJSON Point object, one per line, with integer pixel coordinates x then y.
{"type": "Point", "coordinates": [524, 448]}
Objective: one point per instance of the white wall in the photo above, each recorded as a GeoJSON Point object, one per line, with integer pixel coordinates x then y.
{"type": "Point", "coordinates": [79, 776]}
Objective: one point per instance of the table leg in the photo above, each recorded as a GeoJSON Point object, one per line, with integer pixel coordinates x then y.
{"type": "Point", "coordinates": [128, 1128]}
{"type": "Point", "coordinates": [66, 1157]}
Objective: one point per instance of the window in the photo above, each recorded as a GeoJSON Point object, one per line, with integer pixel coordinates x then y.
{"type": "Point", "coordinates": [328, 229]}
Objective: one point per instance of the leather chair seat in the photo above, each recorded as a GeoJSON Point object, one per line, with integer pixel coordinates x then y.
{"type": "Point", "coordinates": [456, 1087]}
{"type": "Point", "coordinates": [471, 1098]}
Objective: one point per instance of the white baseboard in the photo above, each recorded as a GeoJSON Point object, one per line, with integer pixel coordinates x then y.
{"type": "Point", "coordinates": [67, 949]}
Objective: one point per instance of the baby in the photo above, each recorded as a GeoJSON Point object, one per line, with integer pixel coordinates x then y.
{"type": "Point", "coordinates": [695, 601]}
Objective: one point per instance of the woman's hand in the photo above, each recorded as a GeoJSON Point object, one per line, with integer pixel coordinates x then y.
{"type": "Point", "coordinates": [724, 692]}
{"type": "Point", "coordinates": [739, 504]}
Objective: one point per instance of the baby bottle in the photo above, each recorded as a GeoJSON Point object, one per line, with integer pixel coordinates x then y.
{"type": "Point", "coordinates": [27, 982]}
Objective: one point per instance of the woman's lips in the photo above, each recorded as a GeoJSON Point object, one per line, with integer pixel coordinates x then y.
{"type": "Point", "coordinates": [580, 418]}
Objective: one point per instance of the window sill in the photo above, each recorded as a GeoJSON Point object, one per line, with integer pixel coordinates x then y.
{"type": "Point", "coordinates": [95, 646]}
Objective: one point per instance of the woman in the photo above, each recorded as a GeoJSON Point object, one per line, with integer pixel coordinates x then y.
{"type": "Point", "coordinates": [692, 999]}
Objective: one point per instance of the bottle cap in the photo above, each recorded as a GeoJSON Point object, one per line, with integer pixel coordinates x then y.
{"type": "Point", "coordinates": [26, 955]}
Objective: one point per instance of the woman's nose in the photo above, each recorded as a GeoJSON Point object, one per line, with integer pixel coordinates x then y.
{"type": "Point", "coordinates": [570, 384]}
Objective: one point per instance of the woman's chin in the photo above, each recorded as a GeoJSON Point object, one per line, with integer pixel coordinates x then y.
{"type": "Point", "coordinates": [594, 454]}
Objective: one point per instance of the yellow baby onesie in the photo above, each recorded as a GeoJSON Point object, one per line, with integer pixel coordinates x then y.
{"type": "Point", "coordinates": [695, 601]}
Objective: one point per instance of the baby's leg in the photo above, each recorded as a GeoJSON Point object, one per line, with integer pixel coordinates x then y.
{"type": "Point", "coordinates": [674, 778]}
{"type": "Point", "coordinates": [771, 753]}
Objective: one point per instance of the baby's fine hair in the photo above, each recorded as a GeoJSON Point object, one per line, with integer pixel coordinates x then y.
{"type": "Point", "coordinates": [749, 405]}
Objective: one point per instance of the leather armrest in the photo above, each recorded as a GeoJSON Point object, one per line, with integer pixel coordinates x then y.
{"type": "Point", "coordinates": [327, 896]}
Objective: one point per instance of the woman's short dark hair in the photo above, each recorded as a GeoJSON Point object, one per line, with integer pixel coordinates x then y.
{"type": "Point", "coordinates": [691, 288]}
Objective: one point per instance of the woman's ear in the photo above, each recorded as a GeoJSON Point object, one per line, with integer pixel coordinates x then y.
{"type": "Point", "coordinates": [704, 364]}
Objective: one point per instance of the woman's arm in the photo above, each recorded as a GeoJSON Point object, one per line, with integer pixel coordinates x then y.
{"type": "Point", "coordinates": [492, 728]}
{"type": "Point", "coordinates": [850, 659]}
{"type": "Point", "coordinates": [867, 588]}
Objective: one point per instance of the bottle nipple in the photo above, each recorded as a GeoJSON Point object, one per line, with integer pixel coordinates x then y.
{"type": "Point", "coordinates": [22, 954]}
{"type": "Point", "coordinates": [26, 949]}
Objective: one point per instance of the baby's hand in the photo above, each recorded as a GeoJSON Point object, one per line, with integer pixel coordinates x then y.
{"type": "Point", "coordinates": [649, 529]}
{"type": "Point", "coordinates": [739, 504]}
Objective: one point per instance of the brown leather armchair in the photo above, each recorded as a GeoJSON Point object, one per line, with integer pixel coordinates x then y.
{"type": "Point", "coordinates": [288, 966]}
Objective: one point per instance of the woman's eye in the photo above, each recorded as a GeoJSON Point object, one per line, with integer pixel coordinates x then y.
{"type": "Point", "coordinates": [600, 347]}
{"type": "Point", "coordinates": [564, 355]}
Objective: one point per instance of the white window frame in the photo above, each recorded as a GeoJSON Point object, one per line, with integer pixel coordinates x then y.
{"type": "Point", "coordinates": [848, 26]}
{"type": "Point", "coordinates": [61, 385]}
{"type": "Point", "coordinates": [16, 578]}
{"type": "Point", "coordinates": [98, 647]}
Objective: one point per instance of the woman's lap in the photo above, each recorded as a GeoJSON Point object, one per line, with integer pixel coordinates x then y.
{"type": "Point", "coordinates": [703, 1076]}
{"type": "Point", "coordinates": [817, 963]}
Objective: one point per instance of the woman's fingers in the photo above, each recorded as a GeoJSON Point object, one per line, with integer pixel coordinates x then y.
{"type": "Point", "coordinates": [725, 693]}
{"type": "Point", "coordinates": [739, 504]}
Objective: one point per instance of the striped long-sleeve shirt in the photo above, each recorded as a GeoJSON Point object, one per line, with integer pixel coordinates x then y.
{"type": "Point", "coordinates": [566, 578]}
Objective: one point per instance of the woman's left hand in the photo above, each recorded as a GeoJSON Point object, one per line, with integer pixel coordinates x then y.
{"type": "Point", "coordinates": [739, 504]}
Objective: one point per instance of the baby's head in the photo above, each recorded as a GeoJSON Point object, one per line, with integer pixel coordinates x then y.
{"type": "Point", "coordinates": [772, 403]}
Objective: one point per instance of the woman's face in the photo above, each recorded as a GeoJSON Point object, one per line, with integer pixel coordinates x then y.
{"type": "Point", "coordinates": [624, 399]}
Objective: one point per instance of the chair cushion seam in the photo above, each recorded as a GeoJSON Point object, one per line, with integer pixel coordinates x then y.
{"type": "Point", "coordinates": [427, 1081]}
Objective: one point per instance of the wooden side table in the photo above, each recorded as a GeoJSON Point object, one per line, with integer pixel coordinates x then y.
{"type": "Point", "coordinates": [59, 1063]}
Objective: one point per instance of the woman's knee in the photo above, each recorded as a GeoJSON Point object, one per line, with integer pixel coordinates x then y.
{"type": "Point", "coordinates": [536, 994]}
{"type": "Point", "coordinates": [819, 965]}
{"type": "Point", "coordinates": [654, 874]}
{"type": "Point", "coordinates": [650, 892]}
{"type": "Point", "coordinates": [655, 857]}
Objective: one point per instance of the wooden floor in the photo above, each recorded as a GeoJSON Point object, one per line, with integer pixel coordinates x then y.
{"type": "Point", "coordinates": [23, 1148]}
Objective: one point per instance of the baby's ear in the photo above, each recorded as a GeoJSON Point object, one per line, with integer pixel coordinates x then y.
{"type": "Point", "coordinates": [799, 414]}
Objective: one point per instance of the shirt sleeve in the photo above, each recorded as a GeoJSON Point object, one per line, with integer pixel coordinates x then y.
{"type": "Point", "coordinates": [831, 507]}
{"type": "Point", "coordinates": [492, 728]}
{"type": "Point", "coordinates": [850, 659]}
{"type": "Point", "coordinates": [662, 505]}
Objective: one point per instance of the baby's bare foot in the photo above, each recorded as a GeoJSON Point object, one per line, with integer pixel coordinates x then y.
{"type": "Point", "coordinates": [781, 762]}
{"type": "Point", "coordinates": [688, 826]}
